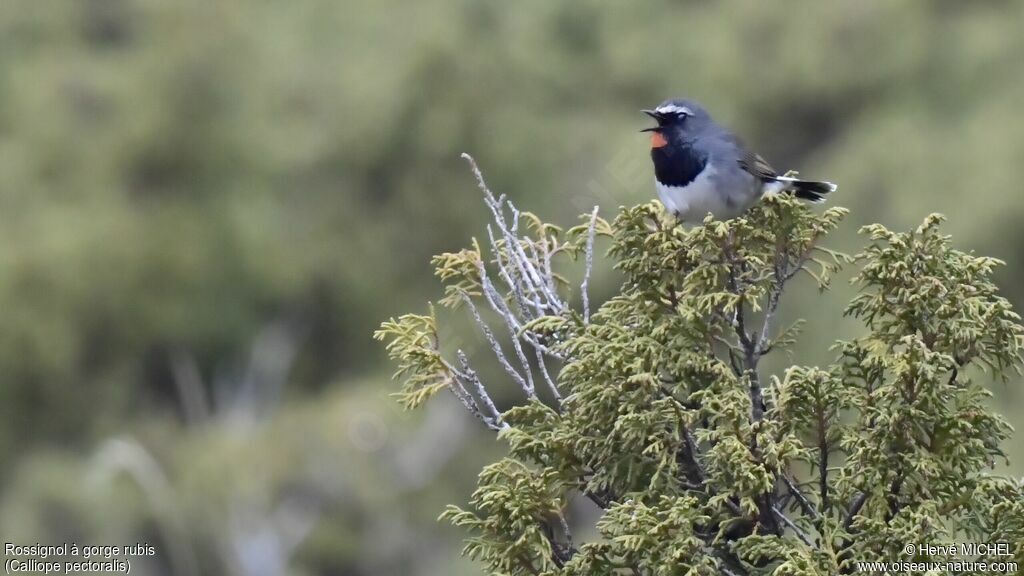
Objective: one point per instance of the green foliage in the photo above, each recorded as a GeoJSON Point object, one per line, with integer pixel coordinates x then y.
{"type": "Point", "coordinates": [413, 345]}
{"type": "Point", "coordinates": [703, 463]}
{"type": "Point", "coordinates": [516, 504]}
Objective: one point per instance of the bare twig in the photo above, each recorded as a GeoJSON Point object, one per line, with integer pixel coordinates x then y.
{"type": "Point", "coordinates": [481, 392]}
{"type": "Point", "coordinates": [779, 273]}
{"type": "Point", "coordinates": [804, 503]}
{"type": "Point", "coordinates": [529, 268]}
{"type": "Point", "coordinates": [567, 532]}
{"type": "Point", "coordinates": [823, 449]}
{"type": "Point", "coordinates": [547, 377]}
{"type": "Point", "coordinates": [496, 348]}
{"type": "Point", "coordinates": [855, 506]}
{"type": "Point", "coordinates": [589, 265]}
{"type": "Point", "coordinates": [548, 248]}
{"type": "Point", "coordinates": [738, 320]}
{"type": "Point", "coordinates": [511, 279]}
{"type": "Point", "coordinates": [457, 386]}
{"type": "Point", "coordinates": [792, 526]}
{"type": "Point", "coordinates": [524, 267]}
{"type": "Point", "coordinates": [497, 303]}
{"type": "Point", "coordinates": [528, 273]}
{"type": "Point", "coordinates": [773, 305]}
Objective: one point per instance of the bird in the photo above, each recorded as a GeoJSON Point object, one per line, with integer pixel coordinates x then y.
{"type": "Point", "coordinates": [701, 167]}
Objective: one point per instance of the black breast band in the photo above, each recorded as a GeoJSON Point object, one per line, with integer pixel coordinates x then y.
{"type": "Point", "coordinates": [676, 165]}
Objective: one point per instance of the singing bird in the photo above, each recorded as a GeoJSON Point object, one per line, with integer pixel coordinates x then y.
{"type": "Point", "coordinates": [701, 167]}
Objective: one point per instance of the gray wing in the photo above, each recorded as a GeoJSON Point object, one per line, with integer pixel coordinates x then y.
{"type": "Point", "coordinates": [750, 162]}
{"type": "Point", "coordinates": [757, 166]}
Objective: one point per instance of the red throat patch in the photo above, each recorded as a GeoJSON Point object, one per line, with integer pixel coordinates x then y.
{"type": "Point", "coordinates": [657, 140]}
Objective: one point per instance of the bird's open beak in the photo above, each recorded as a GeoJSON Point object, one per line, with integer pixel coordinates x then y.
{"type": "Point", "coordinates": [654, 115]}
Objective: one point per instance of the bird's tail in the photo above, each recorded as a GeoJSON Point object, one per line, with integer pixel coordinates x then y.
{"type": "Point", "coordinates": [807, 189]}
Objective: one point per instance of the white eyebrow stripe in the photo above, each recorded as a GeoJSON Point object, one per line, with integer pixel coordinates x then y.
{"type": "Point", "coordinates": [673, 109]}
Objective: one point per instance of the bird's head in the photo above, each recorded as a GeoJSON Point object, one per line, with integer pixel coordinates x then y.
{"type": "Point", "coordinates": [676, 119]}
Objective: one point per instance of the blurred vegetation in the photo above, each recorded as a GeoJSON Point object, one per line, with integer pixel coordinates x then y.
{"type": "Point", "coordinates": [177, 177]}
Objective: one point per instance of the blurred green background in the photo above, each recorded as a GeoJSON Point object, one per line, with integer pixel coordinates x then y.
{"type": "Point", "coordinates": [207, 206]}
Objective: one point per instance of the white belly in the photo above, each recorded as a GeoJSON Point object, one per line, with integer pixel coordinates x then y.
{"type": "Point", "coordinates": [693, 201]}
